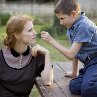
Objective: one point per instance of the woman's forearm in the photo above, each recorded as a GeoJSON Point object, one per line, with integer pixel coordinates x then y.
{"type": "Point", "coordinates": [47, 74]}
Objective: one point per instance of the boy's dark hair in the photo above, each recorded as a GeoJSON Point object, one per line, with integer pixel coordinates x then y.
{"type": "Point", "coordinates": [67, 6]}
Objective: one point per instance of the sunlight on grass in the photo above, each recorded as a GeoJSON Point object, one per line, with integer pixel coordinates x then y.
{"type": "Point", "coordinates": [55, 54]}
{"type": "Point", "coordinates": [34, 92]}
{"type": "Point", "coordinates": [2, 36]}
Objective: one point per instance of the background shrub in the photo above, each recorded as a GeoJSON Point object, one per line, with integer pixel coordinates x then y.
{"type": "Point", "coordinates": [4, 17]}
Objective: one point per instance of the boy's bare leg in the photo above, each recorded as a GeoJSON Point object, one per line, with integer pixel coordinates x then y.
{"type": "Point", "coordinates": [73, 73]}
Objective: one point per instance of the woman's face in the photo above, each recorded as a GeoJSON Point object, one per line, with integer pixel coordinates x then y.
{"type": "Point", "coordinates": [28, 35]}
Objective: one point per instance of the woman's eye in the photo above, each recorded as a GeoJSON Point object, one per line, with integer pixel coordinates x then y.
{"type": "Point", "coordinates": [30, 30]}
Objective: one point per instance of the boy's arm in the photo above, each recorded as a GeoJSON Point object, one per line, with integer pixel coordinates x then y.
{"type": "Point", "coordinates": [73, 72]}
{"type": "Point", "coordinates": [69, 53]}
{"type": "Point", "coordinates": [74, 67]}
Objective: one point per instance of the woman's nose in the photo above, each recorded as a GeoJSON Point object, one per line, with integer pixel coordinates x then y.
{"type": "Point", "coordinates": [34, 32]}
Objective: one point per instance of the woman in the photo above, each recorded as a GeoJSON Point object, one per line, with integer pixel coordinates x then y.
{"type": "Point", "coordinates": [19, 63]}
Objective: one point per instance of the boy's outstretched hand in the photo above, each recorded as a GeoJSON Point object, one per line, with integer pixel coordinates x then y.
{"type": "Point", "coordinates": [46, 36]}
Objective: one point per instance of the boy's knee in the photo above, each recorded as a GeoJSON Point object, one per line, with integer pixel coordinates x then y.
{"type": "Point", "coordinates": [89, 91]}
{"type": "Point", "coordinates": [74, 87]}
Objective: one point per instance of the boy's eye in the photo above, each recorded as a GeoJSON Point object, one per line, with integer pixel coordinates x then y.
{"type": "Point", "coordinates": [62, 18]}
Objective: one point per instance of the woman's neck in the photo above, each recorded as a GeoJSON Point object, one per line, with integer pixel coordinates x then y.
{"type": "Point", "coordinates": [20, 48]}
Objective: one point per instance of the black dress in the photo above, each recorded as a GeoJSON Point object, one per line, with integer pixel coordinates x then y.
{"type": "Point", "coordinates": [19, 82]}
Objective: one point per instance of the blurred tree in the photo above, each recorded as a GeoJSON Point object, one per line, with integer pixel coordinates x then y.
{"type": "Point", "coordinates": [33, 0]}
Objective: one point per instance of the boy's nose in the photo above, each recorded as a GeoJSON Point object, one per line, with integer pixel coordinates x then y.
{"type": "Point", "coordinates": [61, 22]}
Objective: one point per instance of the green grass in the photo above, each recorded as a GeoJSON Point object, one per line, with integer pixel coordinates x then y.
{"type": "Point", "coordinates": [34, 92]}
{"type": "Point", "coordinates": [2, 31]}
{"type": "Point", "coordinates": [2, 35]}
{"type": "Point", "coordinates": [54, 53]}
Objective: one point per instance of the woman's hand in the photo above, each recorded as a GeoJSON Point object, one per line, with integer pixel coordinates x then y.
{"type": "Point", "coordinates": [39, 49]}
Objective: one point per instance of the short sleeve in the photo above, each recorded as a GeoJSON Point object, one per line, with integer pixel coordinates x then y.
{"type": "Point", "coordinates": [84, 34]}
{"type": "Point", "coordinates": [40, 60]}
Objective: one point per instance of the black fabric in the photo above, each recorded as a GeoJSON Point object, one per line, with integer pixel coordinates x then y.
{"type": "Point", "coordinates": [40, 68]}
{"type": "Point", "coordinates": [19, 82]}
{"type": "Point", "coordinates": [11, 91]}
{"type": "Point", "coordinates": [90, 57]}
{"type": "Point", "coordinates": [16, 54]}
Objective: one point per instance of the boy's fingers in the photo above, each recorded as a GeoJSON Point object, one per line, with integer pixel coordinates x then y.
{"type": "Point", "coordinates": [44, 32]}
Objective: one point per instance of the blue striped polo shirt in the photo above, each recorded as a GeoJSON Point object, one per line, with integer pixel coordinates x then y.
{"type": "Point", "coordinates": [84, 31]}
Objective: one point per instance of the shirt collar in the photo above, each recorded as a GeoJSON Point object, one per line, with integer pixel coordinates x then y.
{"type": "Point", "coordinates": [16, 54]}
{"type": "Point", "coordinates": [75, 24]}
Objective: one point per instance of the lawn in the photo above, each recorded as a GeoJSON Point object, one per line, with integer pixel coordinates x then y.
{"type": "Point", "coordinates": [55, 55]}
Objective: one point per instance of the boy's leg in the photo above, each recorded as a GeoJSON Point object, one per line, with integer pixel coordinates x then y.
{"type": "Point", "coordinates": [75, 84]}
{"type": "Point", "coordinates": [89, 83]}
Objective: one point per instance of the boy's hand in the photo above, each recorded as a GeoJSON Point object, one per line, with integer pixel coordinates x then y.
{"type": "Point", "coordinates": [70, 74]}
{"type": "Point", "coordinates": [46, 36]}
{"type": "Point", "coordinates": [39, 49]}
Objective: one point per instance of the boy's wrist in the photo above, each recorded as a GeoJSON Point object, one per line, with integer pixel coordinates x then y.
{"type": "Point", "coordinates": [51, 41]}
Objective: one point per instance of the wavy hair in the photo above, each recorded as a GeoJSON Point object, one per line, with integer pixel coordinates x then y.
{"type": "Point", "coordinates": [14, 25]}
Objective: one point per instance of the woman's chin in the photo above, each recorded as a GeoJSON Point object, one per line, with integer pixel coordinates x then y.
{"type": "Point", "coordinates": [33, 43]}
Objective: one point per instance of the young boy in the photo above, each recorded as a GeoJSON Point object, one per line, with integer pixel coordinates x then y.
{"type": "Point", "coordinates": [82, 33]}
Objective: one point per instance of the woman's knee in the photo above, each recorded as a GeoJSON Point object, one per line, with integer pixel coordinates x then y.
{"type": "Point", "coordinates": [75, 87]}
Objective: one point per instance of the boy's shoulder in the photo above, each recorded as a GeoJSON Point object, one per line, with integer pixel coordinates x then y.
{"type": "Point", "coordinates": [85, 22]}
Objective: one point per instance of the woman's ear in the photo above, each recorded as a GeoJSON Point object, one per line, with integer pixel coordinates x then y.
{"type": "Point", "coordinates": [17, 36]}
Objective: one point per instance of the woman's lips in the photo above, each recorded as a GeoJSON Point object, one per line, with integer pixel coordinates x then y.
{"type": "Point", "coordinates": [33, 37]}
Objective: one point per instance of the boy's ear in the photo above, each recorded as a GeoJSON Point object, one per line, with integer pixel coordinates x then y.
{"type": "Point", "coordinates": [74, 13]}
{"type": "Point", "coordinates": [17, 36]}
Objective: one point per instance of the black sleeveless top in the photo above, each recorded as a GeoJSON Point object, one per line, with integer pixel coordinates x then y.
{"type": "Point", "coordinates": [19, 82]}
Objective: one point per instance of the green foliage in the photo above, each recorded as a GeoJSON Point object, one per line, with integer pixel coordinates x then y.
{"type": "Point", "coordinates": [54, 30]}
{"type": "Point", "coordinates": [51, 25]}
{"type": "Point", "coordinates": [54, 53]}
{"type": "Point", "coordinates": [4, 17]}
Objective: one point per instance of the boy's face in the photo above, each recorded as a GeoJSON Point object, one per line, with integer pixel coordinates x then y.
{"type": "Point", "coordinates": [66, 20]}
